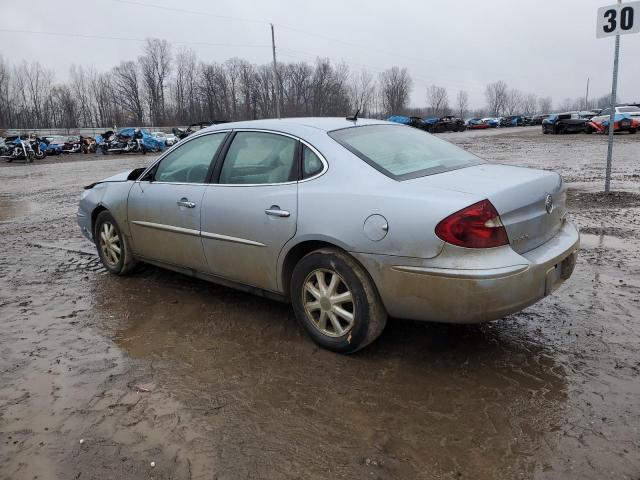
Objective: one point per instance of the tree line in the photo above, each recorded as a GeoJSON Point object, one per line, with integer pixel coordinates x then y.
{"type": "Point", "coordinates": [164, 88]}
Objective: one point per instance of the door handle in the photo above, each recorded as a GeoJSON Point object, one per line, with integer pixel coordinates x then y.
{"type": "Point", "coordinates": [184, 202]}
{"type": "Point", "coordinates": [274, 211]}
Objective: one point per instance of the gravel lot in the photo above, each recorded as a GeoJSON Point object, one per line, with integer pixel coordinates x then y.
{"type": "Point", "coordinates": [102, 375]}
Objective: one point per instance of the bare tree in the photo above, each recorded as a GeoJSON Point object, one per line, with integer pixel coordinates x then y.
{"type": "Point", "coordinates": [184, 87]}
{"type": "Point", "coordinates": [513, 102]}
{"type": "Point", "coordinates": [462, 100]}
{"type": "Point", "coordinates": [156, 67]}
{"type": "Point", "coordinates": [438, 100]}
{"type": "Point", "coordinates": [362, 91]}
{"type": "Point", "coordinates": [496, 96]}
{"type": "Point", "coordinates": [395, 88]}
{"type": "Point", "coordinates": [127, 89]}
{"type": "Point", "coordinates": [545, 105]}
{"type": "Point", "coordinates": [529, 104]}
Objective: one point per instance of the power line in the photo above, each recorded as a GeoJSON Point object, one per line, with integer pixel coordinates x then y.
{"type": "Point", "coordinates": [128, 39]}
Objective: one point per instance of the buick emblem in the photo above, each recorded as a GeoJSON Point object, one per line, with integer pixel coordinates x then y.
{"type": "Point", "coordinates": [548, 204]}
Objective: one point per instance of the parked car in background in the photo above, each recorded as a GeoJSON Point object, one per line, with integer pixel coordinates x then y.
{"type": "Point", "coordinates": [538, 119]}
{"type": "Point", "coordinates": [450, 123]}
{"type": "Point", "coordinates": [56, 144]}
{"type": "Point", "coordinates": [476, 124]}
{"type": "Point", "coordinates": [623, 122]}
{"type": "Point", "coordinates": [512, 121]}
{"type": "Point", "coordinates": [492, 122]}
{"type": "Point", "coordinates": [631, 110]}
{"type": "Point", "coordinates": [566, 122]}
{"type": "Point", "coordinates": [350, 221]}
{"type": "Point", "coordinates": [416, 122]}
{"type": "Point", "coordinates": [168, 139]}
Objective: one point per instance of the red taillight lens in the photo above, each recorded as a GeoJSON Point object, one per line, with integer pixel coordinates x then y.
{"type": "Point", "coordinates": [477, 226]}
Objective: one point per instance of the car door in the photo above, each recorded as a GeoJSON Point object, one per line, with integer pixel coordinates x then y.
{"type": "Point", "coordinates": [250, 210]}
{"type": "Point", "coordinates": [164, 207]}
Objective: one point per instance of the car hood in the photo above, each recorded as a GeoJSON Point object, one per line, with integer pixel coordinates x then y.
{"type": "Point", "coordinates": [119, 177]}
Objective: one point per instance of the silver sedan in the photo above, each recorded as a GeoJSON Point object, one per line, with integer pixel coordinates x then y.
{"type": "Point", "coordinates": [349, 221]}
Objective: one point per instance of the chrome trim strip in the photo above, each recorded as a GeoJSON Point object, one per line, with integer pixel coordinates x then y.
{"type": "Point", "coordinates": [168, 228]}
{"type": "Point", "coordinates": [479, 274]}
{"type": "Point", "coordinates": [226, 238]}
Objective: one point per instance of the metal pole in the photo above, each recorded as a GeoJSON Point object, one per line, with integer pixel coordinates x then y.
{"type": "Point", "coordinates": [276, 84]}
{"type": "Point", "coordinates": [612, 116]}
{"type": "Point", "coordinates": [586, 97]}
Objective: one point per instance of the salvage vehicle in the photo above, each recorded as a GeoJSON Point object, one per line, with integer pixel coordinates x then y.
{"type": "Point", "coordinates": [538, 119]}
{"type": "Point", "coordinates": [129, 140]}
{"type": "Point", "coordinates": [56, 144]}
{"type": "Point", "coordinates": [415, 122]}
{"type": "Point", "coordinates": [631, 111]}
{"type": "Point", "coordinates": [351, 221]}
{"type": "Point", "coordinates": [622, 122]}
{"type": "Point", "coordinates": [476, 124]}
{"type": "Point", "coordinates": [181, 133]}
{"type": "Point", "coordinates": [492, 122]}
{"type": "Point", "coordinates": [567, 122]}
{"type": "Point", "coordinates": [167, 138]}
{"type": "Point", "coordinates": [449, 123]}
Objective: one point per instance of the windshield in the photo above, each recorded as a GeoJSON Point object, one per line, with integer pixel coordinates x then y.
{"type": "Point", "coordinates": [403, 152]}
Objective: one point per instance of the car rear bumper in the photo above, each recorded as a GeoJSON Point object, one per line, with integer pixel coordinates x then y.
{"type": "Point", "coordinates": [416, 289]}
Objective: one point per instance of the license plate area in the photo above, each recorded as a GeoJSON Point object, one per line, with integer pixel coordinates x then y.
{"type": "Point", "coordinates": [559, 272]}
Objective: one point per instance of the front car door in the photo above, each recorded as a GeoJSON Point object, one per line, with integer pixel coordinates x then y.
{"type": "Point", "coordinates": [164, 206]}
{"type": "Point", "coordinates": [249, 211]}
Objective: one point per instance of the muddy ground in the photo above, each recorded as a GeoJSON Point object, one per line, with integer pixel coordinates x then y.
{"type": "Point", "coordinates": [102, 375]}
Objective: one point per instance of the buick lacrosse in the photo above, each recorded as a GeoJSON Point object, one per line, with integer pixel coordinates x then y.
{"type": "Point", "coordinates": [349, 220]}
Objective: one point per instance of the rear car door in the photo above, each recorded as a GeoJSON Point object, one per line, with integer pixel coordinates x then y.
{"type": "Point", "coordinates": [250, 210]}
{"type": "Point", "coordinates": [164, 206]}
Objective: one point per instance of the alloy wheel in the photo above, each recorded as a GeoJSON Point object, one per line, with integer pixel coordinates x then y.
{"type": "Point", "coordinates": [110, 244]}
{"type": "Point", "coordinates": [328, 303]}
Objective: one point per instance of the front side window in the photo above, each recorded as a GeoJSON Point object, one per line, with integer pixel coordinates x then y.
{"type": "Point", "coordinates": [401, 152]}
{"type": "Point", "coordinates": [190, 162]}
{"type": "Point", "coordinates": [259, 158]}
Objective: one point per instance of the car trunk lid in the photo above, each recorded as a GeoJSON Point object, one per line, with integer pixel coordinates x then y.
{"type": "Point", "coordinates": [531, 203]}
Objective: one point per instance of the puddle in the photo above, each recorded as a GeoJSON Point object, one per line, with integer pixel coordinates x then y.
{"type": "Point", "coordinates": [10, 209]}
{"type": "Point", "coordinates": [589, 240]}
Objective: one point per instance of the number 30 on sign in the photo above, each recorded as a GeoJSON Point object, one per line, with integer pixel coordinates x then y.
{"type": "Point", "coordinates": [618, 19]}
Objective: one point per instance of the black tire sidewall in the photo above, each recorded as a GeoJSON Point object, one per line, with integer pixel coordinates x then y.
{"type": "Point", "coordinates": [351, 341]}
{"type": "Point", "coordinates": [103, 217]}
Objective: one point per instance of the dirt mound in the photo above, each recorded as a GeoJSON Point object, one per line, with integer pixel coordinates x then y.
{"type": "Point", "coordinates": [577, 199]}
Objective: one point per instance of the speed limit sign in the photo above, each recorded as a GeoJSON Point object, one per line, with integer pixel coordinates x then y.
{"type": "Point", "coordinates": [618, 19]}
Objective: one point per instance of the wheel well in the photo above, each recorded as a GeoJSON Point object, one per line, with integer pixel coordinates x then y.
{"type": "Point", "coordinates": [293, 257]}
{"type": "Point", "coordinates": [94, 215]}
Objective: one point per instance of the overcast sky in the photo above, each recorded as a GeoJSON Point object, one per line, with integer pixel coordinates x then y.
{"type": "Point", "coordinates": [547, 47]}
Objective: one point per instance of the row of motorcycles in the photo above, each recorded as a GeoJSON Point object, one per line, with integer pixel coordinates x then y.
{"type": "Point", "coordinates": [29, 147]}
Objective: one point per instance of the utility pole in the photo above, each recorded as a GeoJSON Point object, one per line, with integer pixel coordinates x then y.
{"type": "Point", "coordinates": [586, 97]}
{"type": "Point", "coordinates": [612, 117]}
{"type": "Point", "coordinates": [276, 84]}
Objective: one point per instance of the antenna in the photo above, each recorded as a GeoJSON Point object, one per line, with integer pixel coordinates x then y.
{"type": "Point", "coordinates": [354, 118]}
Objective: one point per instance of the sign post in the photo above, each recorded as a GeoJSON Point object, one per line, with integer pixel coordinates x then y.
{"type": "Point", "coordinates": [616, 20]}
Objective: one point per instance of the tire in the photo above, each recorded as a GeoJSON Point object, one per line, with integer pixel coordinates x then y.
{"type": "Point", "coordinates": [40, 155]}
{"type": "Point", "coordinates": [632, 131]}
{"type": "Point", "coordinates": [118, 264]}
{"type": "Point", "coordinates": [368, 315]}
{"type": "Point", "coordinates": [588, 130]}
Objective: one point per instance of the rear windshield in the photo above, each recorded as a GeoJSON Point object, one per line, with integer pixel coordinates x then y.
{"type": "Point", "coordinates": [403, 152]}
{"type": "Point", "coordinates": [628, 109]}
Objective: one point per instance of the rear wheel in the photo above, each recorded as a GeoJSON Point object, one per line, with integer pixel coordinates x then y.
{"type": "Point", "coordinates": [112, 245]}
{"type": "Point", "coordinates": [336, 302]}
{"type": "Point", "coordinates": [633, 130]}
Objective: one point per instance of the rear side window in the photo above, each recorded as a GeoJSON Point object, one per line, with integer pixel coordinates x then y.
{"type": "Point", "coordinates": [403, 152]}
{"type": "Point", "coordinates": [311, 163]}
{"type": "Point", "coordinates": [259, 158]}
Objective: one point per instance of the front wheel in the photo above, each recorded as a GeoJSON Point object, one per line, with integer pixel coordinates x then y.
{"type": "Point", "coordinates": [112, 245]}
{"type": "Point", "coordinates": [40, 155]}
{"type": "Point", "coordinates": [336, 302]}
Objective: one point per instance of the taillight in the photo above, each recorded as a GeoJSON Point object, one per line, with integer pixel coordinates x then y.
{"type": "Point", "coordinates": [477, 226]}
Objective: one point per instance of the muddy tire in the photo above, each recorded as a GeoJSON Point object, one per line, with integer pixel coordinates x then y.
{"type": "Point", "coordinates": [336, 302]}
{"type": "Point", "coordinates": [113, 247]}
{"type": "Point", "coordinates": [632, 131]}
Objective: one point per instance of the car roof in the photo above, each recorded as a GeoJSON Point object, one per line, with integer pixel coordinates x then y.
{"type": "Point", "coordinates": [319, 123]}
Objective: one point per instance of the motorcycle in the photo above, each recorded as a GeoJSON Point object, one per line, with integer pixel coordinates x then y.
{"type": "Point", "coordinates": [39, 147]}
{"type": "Point", "coordinates": [19, 148]}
